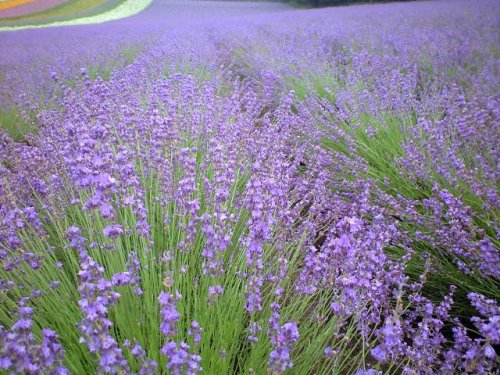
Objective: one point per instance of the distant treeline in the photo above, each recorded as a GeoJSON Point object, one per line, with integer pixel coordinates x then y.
{"type": "Point", "coordinates": [319, 3]}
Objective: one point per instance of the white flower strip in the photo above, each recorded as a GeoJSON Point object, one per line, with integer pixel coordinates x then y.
{"type": "Point", "coordinates": [126, 9]}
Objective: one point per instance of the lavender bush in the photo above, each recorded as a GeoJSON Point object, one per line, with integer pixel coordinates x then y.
{"type": "Point", "coordinates": [295, 191]}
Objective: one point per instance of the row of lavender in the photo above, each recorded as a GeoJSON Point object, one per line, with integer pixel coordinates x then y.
{"type": "Point", "coordinates": [303, 191]}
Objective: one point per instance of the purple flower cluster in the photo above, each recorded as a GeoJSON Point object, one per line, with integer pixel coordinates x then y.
{"type": "Point", "coordinates": [148, 366]}
{"type": "Point", "coordinates": [282, 338]}
{"type": "Point", "coordinates": [180, 360]}
{"type": "Point", "coordinates": [20, 353]}
{"type": "Point", "coordinates": [169, 314]}
{"type": "Point", "coordinates": [97, 297]}
{"type": "Point", "coordinates": [488, 327]}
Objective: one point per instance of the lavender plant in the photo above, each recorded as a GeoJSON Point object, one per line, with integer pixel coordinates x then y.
{"type": "Point", "coordinates": [292, 195]}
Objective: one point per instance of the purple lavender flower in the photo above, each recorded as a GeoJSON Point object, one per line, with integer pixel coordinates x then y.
{"type": "Point", "coordinates": [367, 372]}
{"type": "Point", "coordinates": [180, 361]}
{"type": "Point", "coordinates": [195, 331]}
{"type": "Point", "coordinates": [113, 231]}
{"type": "Point", "coordinates": [20, 353]}
{"type": "Point", "coordinates": [96, 297]}
{"type": "Point", "coordinates": [280, 357]}
{"type": "Point", "coordinates": [148, 366]}
{"type": "Point", "coordinates": [329, 352]}
{"type": "Point", "coordinates": [169, 314]}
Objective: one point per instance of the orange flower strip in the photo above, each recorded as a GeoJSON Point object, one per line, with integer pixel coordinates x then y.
{"type": "Point", "coordinates": [13, 3]}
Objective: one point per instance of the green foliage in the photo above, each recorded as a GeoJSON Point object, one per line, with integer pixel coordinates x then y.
{"type": "Point", "coordinates": [124, 56]}
{"type": "Point", "coordinates": [16, 125]}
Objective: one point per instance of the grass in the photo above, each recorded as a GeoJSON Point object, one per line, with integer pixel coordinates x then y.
{"type": "Point", "coordinates": [324, 86]}
{"type": "Point", "coordinates": [125, 56]}
{"type": "Point", "coordinates": [201, 73]}
{"type": "Point", "coordinates": [15, 125]}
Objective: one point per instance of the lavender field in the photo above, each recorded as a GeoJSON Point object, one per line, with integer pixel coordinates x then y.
{"type": "Point", "coordinates": [222, 187]}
